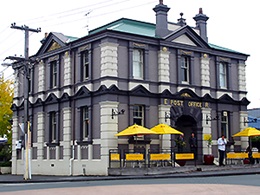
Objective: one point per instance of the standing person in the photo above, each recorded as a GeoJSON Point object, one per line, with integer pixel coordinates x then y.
{"type": "Point", "coordinates": [222, 142]}
{"type": "Point", "coordinates": [180, 143]}
{"type": "Point", "coordinates": [193, 144]}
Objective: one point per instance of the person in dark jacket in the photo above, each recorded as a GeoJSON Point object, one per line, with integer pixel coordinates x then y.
{"type": "Point", "coordinates": [180, 143]}
{"type": "Point", "coordinates": [193, 144]}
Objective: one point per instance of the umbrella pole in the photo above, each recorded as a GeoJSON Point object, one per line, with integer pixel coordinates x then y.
{"type": "Point", "coordinates": [161, 142]}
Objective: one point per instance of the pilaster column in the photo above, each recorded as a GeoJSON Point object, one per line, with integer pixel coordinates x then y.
{"type": "Point", "coordinates": [16, 87]}
{"type": "Point", "coordinates": [15, 138]}
{"type": "Point", "coordinates": [244, 140]}
{"type": "Point", "coordinates": [241, 79]}
{"type": "Point", "coordinates": [66, 133]}
{"type": "Point", "coordinates": [40, 135]}
{"type": "Point", "coordinates": [206, 129]}
{"type": "Point", "coordinates": [41, 81]}
{"type": "Point", "coordinates": [163, 69]}
{"type": "Point", "coordinates": [109, 63]}
{"type": "Point", "coordinates": [205, 74]}
{"type": "Point", "coordinates": [165, 140]}
{"type": "Point", "coordinates": [67, 71]}
{"type": "Point", "coordinates": [108, 128]}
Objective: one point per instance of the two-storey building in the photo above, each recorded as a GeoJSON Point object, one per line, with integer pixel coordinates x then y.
{"type": "Point", "coordinates": [85, 90]}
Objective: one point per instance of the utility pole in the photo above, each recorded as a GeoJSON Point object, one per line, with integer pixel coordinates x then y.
{"type": "Point", "coordinates": [24, 64]}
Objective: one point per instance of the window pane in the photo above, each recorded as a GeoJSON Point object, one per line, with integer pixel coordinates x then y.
{"type": "Point", "coordinates": [138, 115]}
{"type": "Point", "coordinates": [137, 63]}
{"type": "Point", "coordinates": [53, 126]}
{"type": "Point", "coordinates": [85, 122]}
{"type": "Point", "coordinates": [222, 75]}
{"type": "Point", "coordinates": [185, 61]}
{"type": "Point", "coordinates": [224, 124]}
{"type": "Point", "coordinates": [54, 73]}
{"type": "Point", "coordinates": [85, 64]}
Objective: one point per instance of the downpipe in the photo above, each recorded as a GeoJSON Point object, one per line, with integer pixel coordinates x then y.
{"type": "Point", "coordinates": [72, 159]}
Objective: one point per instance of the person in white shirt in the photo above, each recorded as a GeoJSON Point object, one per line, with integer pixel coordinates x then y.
{"type": "Point", "coordinates": [222, 142]}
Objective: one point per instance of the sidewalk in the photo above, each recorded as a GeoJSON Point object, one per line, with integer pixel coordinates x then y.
{"type": "Point", "coordinates": [174, 172]}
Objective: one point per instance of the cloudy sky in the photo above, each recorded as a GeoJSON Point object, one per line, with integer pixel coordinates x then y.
{"type": "Point", "coordinates": [231, 24]}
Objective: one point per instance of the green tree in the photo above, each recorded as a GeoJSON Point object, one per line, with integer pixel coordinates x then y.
{"type": "Point", "coordinates": [6, 113]}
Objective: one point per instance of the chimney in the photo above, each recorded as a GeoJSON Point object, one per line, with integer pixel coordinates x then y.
{"type": "Point", "coordinates": [161, 19]}
{"type": "Point", "coordinates": [201, 24]}
{"type": "Point", "coordinates": [44, 39]}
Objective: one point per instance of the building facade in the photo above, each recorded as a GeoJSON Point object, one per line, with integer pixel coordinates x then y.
{"type": "Point", "coordinates": [85, 90]}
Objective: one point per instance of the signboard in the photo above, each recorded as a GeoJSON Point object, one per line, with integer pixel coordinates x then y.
{"type": "Point", "coordinates": [132, 157]}
{"type": "Point", "coordinates": [256, 155]}
{"type": "Point", "coordinates": [184, 156]}
{"type": "Point", "coordinates": [182, 103]}
{"type": "Point", "coordinates": [238, 155]}
{"type": "Point", "coordinates": [114, 157]}
{"type": "Point", "coordinates": [160, 156]}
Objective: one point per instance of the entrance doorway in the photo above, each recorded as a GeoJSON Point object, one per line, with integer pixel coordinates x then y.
{"type": "Point", "coordinates": [186, 124]}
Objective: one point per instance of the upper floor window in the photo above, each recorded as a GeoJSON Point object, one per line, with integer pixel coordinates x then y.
{"type": "Point", "coordinates": [185, 69]}
{"type": "Point", "coordinates": [85, 65]}
{"type": "Point", "coordinates": [224, 124]}
{"type": "Point", "coordinates": [138, 63]}
{"type": "Point", "coordinates": [223, 74]}
{"type": "Point", "coordinates": [53, 127]}
{"type": "Point", "coordinates": [85, 122]}
{"type": "Point", "coordinates": [138, 115]}
{"type": "Point", "coordinates": [54, 74]}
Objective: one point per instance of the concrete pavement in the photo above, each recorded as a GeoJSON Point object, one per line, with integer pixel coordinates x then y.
{"type": "Point", "coordinates": [172, 172]}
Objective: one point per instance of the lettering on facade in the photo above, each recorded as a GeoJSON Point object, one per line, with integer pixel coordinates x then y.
{"type": "Point", "coordinates": [138, 45]}
{"type": "Point", "coordinates": [181, 103]}
{"type": "Point", "coordinates": [186, 52]}
{"type": "Point", "coordinates": [84, 48]}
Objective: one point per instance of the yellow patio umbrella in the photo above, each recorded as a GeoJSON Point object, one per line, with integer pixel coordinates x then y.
{"type": "Point", "coordinates": [135, 130]}
{"type": "Point", "coordinates": [165, 129]}
{"type": "Point", "coordinates": [248, 132]}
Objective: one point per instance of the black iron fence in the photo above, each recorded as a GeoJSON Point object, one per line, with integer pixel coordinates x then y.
{"type": "Point", "coordinates": [139, 158]}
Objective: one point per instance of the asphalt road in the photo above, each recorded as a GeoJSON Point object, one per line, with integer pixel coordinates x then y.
{"type": "Point", "coordinates": [240, 184]}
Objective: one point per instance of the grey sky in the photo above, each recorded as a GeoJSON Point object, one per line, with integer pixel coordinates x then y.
{"type": "Point", "coordinates": [231, 24]}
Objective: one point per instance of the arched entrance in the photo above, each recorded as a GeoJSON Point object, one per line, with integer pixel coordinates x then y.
{"type": "Point", "coordinates": [186, 124]}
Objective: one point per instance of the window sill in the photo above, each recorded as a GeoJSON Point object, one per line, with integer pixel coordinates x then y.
{"type": "Point", "coordinates": [52, 144]}
{"type": "Point", "coordinates": [84, 143]}
{"type": "Point", "coordinates": [185, 82]}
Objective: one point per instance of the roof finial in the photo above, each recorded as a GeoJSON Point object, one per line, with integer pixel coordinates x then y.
{"type": "Point", "coordinates": [161, 2]}
{"type": "Point", "coordinates": [181, 21]}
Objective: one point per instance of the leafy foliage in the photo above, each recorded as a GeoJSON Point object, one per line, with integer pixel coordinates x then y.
{"type": "Point", "coordinates": [6, 113]}
{"type": "Point", "coordinates": [208, 138]}
{"type": "Point", "coordinates": [256, 139]}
